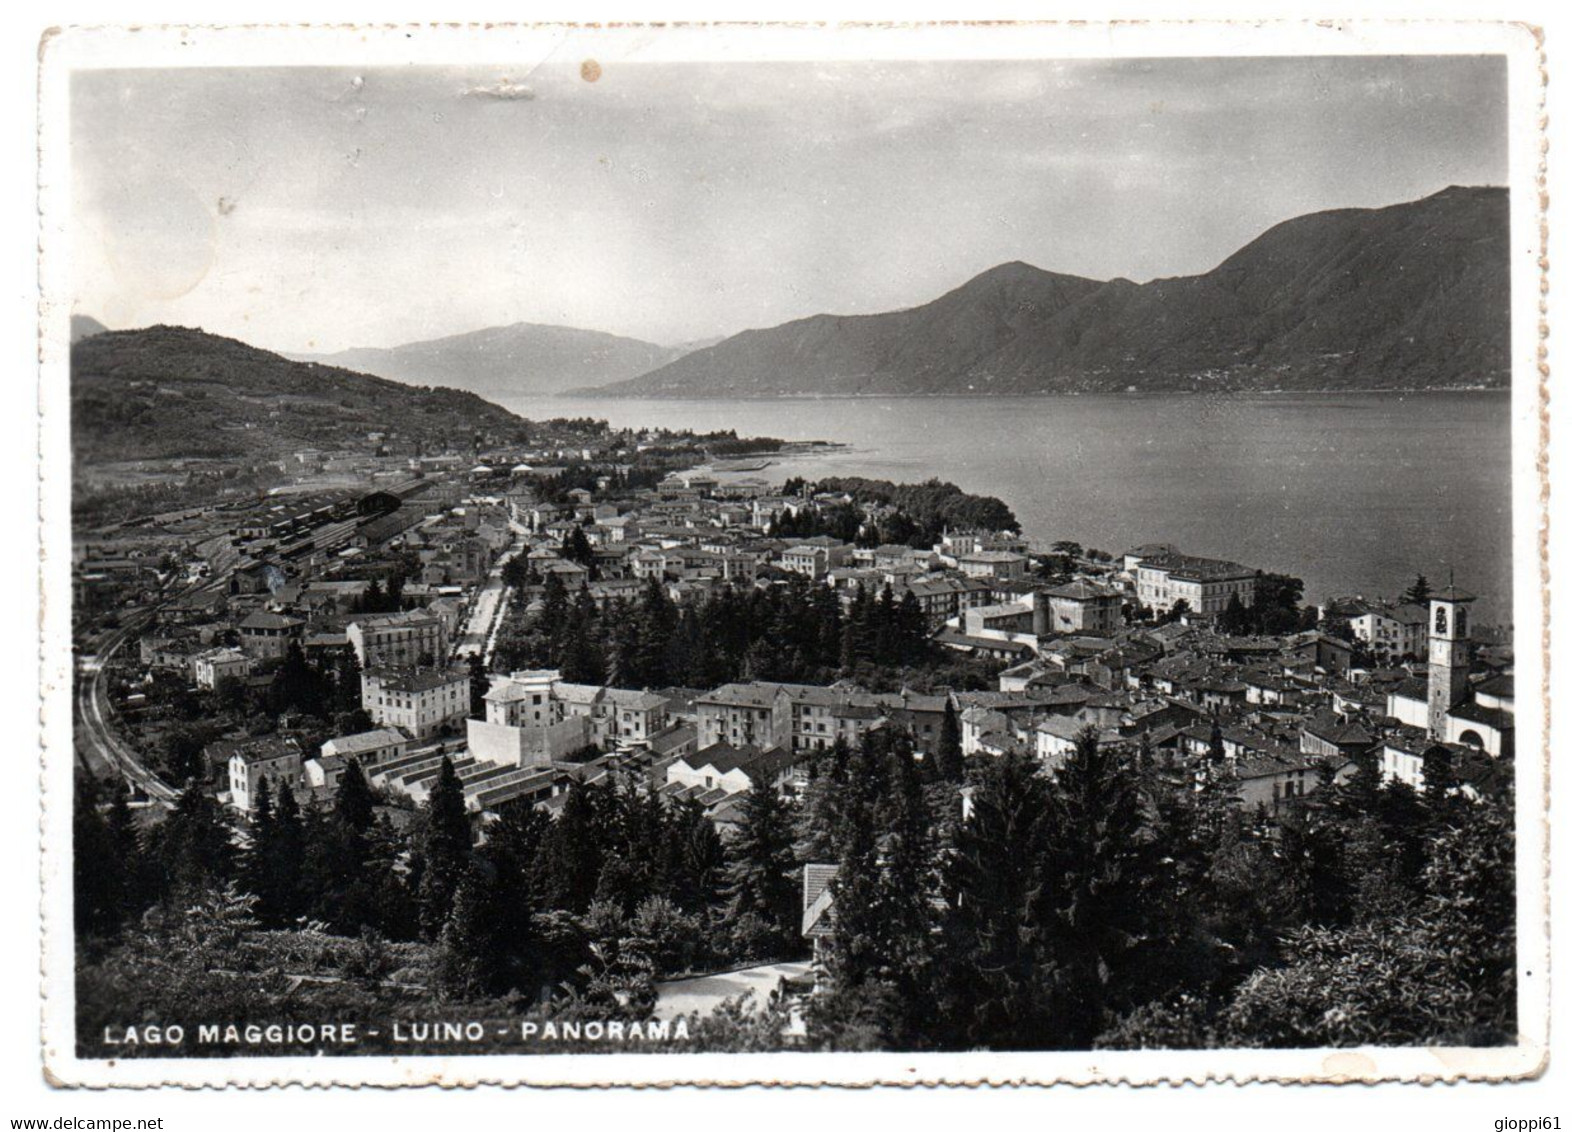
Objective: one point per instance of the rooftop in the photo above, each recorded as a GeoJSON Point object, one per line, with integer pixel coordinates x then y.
{"type": "Point", "coordinates": [416, 679]}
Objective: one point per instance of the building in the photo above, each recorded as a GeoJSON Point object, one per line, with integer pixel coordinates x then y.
{"type": "Point", "coordinates": [1205, 585]}
{"type": "Point", "coordinates": [273, 758]}
{"type": "Point", "coordinates": [816, 557]}
{"type": "Point", "coordinates": [740, 714]}
{"type": "Point", "coordinates": [818, 907]}
{"type": "Point", "coordinates": [533, 719]}
{"type": "Point", "coordinates": [208, 668]}
{"type": "Point", "coordinates": [1446, 708]}
{"type": "Point", "coordinates": [1079, 607]}
{"type": "Point", "coordinates": [397, 639]}
{"type": "Point", "coordinates": [945, 597]}
{"type": "Point", "coordinates": [422, 701]}
{"type": "Point", "coordinates": [1449, 658]}
{"type": "Point", "coordinates": [618, 717]}
{"type": "Point", "coordinates": [526, 699]}
{"type": "Point", "coordinates": [733, 770]}
{"type": "Point", "coordinates": [994, 565]}
{"type": "Point", "coordinates": [367, 747]}
{"type": "Point", "coordinates": [633, 717]}
{"type": "Point", "coordinates": [267, 636]}
{"type": "Point", "coordinates": [1393, 631]}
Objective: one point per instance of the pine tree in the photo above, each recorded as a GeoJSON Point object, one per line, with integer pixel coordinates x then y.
{"type": "Point", "coordinates": [948, 760]}
{"type": "Point", "coordinates": [256, 860]}
{"type": "Point", "coordinates": [444, 849]}
{"type": "Point", "coordinates": [479, 685]}
{"type": "Point", "coordinates": [471, 960]}
{"type": "Point", "coordinates": [354, 805]}
{"type": "Point", "coordinates": [1235, 619]}
{"type": "Point", "coordinates": [98, 886]}
{"type": "Point", "coordinates": [555, 617]}
{"type": "Point", "coordinates": [696, 858]}
{"type": "Point", "coordinates": [997, 985]}
{"type": "Point", "coordinates": [762, 870]}
{"type": "Point", "coordinates": [908, 880]}
{"type": "Point", "coordinates": [1090, 907]}
{"type": "Point", "coordinates": [570, 862]}
{"type": "Point", "coordinates": [192, 850]}
{"type": "Point", "coordinates": [346, 683]}
{"type": "Point", "coordinates": [913, 628]}
{"type": "Point", "coordinates": [125, 841]}
{"type": "Point", "coordinates": [577, 548]}
{"type": "Point", "coordinates": [656, 619]}
{"type": "Point", "coordinates": [1419, 592]}
{"type": "Point", "coordinates": [284, 893]}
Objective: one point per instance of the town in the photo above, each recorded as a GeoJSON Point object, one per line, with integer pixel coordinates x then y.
{"type": "Point", "coordinates": [499, 634]}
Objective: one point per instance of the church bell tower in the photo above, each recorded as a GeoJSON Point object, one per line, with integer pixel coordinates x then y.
{"type": "Point", "coordinates": [1449, 613]}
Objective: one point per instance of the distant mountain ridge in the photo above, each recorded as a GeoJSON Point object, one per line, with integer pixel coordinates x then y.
{"type": "Point", "coordinates": [1410, 296]}
{"type": "Point", "coordinates": [85, 326]}
{"type": "Point", "coordinates": [524, 358]}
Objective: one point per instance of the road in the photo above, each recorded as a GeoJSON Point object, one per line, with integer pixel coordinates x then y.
{"type": "Point", "coordinates": [703, 994]}
{"type": "Point", "coordinates": [478, 635]}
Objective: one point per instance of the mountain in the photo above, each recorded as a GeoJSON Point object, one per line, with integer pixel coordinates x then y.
{"type": "Point", "coordinates": [168, 392]}
{"type": "Point", "coordinates": [1413, 295]}
{"type": "Point", "coordinates": [85, 326]}
{"type": "Point", "coordinates": [508, 360]}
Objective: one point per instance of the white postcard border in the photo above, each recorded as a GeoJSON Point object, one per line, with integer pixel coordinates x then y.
{"type": "Point", "coordinates": [502, 49]}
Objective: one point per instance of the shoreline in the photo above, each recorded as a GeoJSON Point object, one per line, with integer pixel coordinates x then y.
{"type": "Point", "coordinates": [973, 395]}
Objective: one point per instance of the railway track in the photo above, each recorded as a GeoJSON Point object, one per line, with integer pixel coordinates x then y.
{"type": "Point", "coordinates": [94, 725]}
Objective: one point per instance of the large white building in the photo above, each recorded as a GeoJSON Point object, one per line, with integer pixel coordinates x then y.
{"type": "Point", "coordinates": [398, 639]}
{"type": "Point", "coordinates": [1392, 631]}
{"type": "Point", "coordinates": [1205, 585]}
{"type": "Point", "coordinates": [422, 701]}
{"type": "Point", "coordinates": [273, 758]}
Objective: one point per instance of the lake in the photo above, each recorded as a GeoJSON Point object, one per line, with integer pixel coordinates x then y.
{"type": "Point", "coordinates": [1353, 493]}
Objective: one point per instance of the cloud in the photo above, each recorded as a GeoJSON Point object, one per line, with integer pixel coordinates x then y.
{"type": "Point", "coordinates": [503, 90]}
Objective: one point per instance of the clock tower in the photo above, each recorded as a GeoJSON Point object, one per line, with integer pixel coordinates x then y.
{"type": "Point", "coordinates": [1449, 614]}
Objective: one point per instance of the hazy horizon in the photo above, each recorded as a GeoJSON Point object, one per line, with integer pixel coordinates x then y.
{"type": "Point", "coordinates": [309, 210]}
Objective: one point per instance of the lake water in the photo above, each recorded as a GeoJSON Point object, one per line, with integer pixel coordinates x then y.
{"type": "Point", "coordinates": [1354, 493]}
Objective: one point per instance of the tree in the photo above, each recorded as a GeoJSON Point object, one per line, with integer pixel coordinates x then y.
{"type": "Point", "coordinates": [819, 815]}
{"type": "Point", "coordinates": [996, 990]}
{"type": "Point", "coordinates": [479, 685]}
{"type": "Point", "coordinates": [1090, 906]}
{"type": "Point", "coordinates": [1276, 605]}
{"type": "Point", "coordinates": [100, 875]}
{"type": "Point", "coordinates": [948, 760]}
{"type": "Point", "coordinates": [762, 866]}
{"type": "Point", "coordinates": [1235, 619]}
{"type": "Point", "coordinates": [470, 959]}
{"type": "Point", "coordinates": [279, 863]}
{"type": "Point", "coordinates": [569, 866]}
{"type": "Point", "coordinates": [909, 882]}
{"type": "Point", "coordinates": [879, 957]}
{"type": "Point", "coordinates": [516, 572]}
{"type": "Point", "coordinates": [1418, 593]}
{"type": "Point", "coordinates": [299, 686]}
{"type": "Point", "coordinates": [192, 850]}
{"type": "Point", "coordinates": [354, 805]}
{"type": "Point", "coordinates": [577, 548]}
{"type": "Point", "coordinates": [444, 844]}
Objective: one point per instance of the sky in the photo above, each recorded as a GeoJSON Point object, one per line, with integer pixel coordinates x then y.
{"type": "Point", "coordinates": [315, 209]}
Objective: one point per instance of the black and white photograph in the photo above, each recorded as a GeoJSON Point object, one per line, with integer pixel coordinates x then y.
{"type": "Point", "coordinates": [611, 549]}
